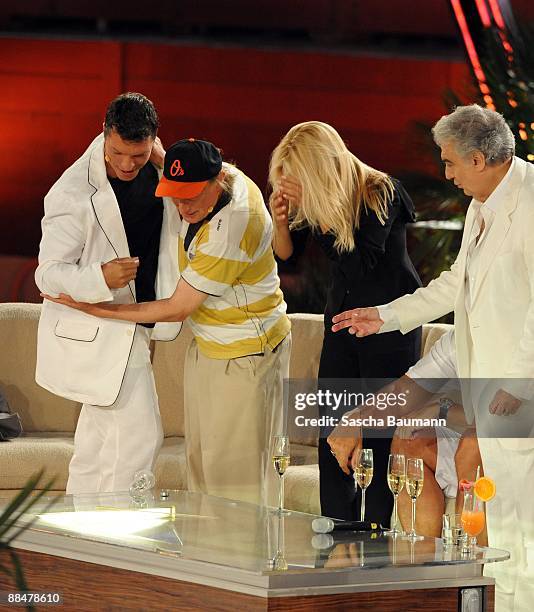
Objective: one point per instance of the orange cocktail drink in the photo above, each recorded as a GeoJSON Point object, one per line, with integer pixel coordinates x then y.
{"type": "Point", "coordinates": [473, 522]}
{"type": "Point", "coordinates": [473, 517]}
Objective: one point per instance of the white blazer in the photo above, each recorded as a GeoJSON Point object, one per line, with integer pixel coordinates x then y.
{"type": "Point", "coordinates": [496, 340]}
{"type": "Point", "coordinates": [79, 356]}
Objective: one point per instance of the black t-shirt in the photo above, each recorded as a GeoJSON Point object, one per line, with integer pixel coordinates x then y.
{"type": "Point", "coordinates": [142, 216]}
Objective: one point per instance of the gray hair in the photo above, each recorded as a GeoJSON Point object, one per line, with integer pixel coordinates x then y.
{"type": "Point", "coordinates": [473, 128]}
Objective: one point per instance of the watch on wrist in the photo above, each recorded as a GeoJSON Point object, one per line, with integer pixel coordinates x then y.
{"type": "Point", "coordinates": [444, 406]}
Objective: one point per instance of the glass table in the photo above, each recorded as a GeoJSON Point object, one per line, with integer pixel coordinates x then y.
{"type": "Point", "coordinates": [239, 550]}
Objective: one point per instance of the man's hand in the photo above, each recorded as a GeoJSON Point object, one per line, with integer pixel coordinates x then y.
{"type": "Point", "coordinates": [119, 272]}
{"type": "Point", "coordinates": [504, 404]}
{"type": "Point", "coordinates": [158, 153]}
{"type": "Point", "coordinates": [360, 321]}
{"type": "Point", "coordinates": [345, 442]}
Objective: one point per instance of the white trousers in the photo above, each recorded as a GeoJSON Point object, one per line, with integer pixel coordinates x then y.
{"type": "Point", "coordinates": [510, 521]}
{"type": "Point", "coordinates": [111, 443]}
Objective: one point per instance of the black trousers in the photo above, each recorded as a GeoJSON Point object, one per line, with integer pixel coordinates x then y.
{"type": "Point", "coordinates": [387, 355]}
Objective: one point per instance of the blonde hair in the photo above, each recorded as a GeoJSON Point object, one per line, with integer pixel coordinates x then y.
{"type": "Point", "coordinates": [335, 183]}
{"type": "Point", "coordinates": [226, 182]}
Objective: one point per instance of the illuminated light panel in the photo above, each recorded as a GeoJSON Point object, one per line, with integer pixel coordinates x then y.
{"type": "Point", "coordinates": [483, 12]}
{"type": "Point", "coordinates": [107, 523]}
{"type": "Point", "coordinates": [486, 19]}
{"type": "Point", "coordinates": [471, 50]}
{"type": "Point", "coordinates": [497, 15]}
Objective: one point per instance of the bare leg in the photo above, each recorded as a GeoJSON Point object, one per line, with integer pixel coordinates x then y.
{"type": "Point", "coordinates": [467, 459]}
{"type": "Point", "coordinates": [431, 502]}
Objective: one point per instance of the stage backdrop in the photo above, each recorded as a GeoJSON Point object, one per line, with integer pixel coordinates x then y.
{"type": "Point", "coordinates": [54, 94]}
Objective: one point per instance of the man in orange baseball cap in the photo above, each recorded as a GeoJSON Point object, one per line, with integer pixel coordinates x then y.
{"type": "Point", "coordinates": [189, 165]}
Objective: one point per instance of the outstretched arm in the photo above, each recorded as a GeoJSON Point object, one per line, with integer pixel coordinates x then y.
{"type": "Point", "coordinates": [184, 301]}
{"type": "Point", "coordinates": [426, 304]}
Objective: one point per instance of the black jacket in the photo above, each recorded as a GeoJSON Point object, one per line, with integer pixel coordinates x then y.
{"type": "Point", "coordinates": [378, 269]}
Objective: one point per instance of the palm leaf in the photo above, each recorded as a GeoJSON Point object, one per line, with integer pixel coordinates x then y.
{"type": "Point", "coordinates": [20, 505]}
{"type": "Point", "coordinates": [20, 498]}
{"type": "Point", "coordinates": [19, 575]}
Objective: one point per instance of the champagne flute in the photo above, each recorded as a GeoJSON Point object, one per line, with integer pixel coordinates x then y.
{"type": "Point", "coordinates": [279, 561]}
{"type": "Point", "coordinates": [473, 518]}
{"type": "Point", "coordinates": [396, 480]}
{"type": "Point", "coordinates": [363, 473]}
{"type": "Point", "coordinates": [415, 476]}
{"type": "Point", "coordinates": [281, 459]}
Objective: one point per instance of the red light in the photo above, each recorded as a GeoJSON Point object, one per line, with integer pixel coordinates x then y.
{"type": "Point", "coordinates": [483, 12]}
{"type": "Point", "coordinates": [471, 51]}
{"type": "Point", "coordinates": [497, 15]}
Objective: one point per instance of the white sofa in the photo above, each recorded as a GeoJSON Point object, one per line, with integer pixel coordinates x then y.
{"type": "Point", "coordinates": [49, 421]}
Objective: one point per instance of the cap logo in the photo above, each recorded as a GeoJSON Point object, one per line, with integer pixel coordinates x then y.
{"type": "Point", "coordinates": [176, 168]}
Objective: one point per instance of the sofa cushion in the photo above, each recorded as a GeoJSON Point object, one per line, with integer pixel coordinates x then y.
{"type": "Point", "coordinates": [24, 456]}
{"type": "Point", "coordinates": [307, 331]}
{"type": "Point", "coordinates": [39, 410]}
{"type": "Point", "coordinates": [168, 366]}
{"type": "Point", "coordinates": [301, 489]}
{"type": "Point", "coordinates": [170, 464]}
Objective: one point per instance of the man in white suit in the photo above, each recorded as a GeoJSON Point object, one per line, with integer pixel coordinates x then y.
{"type": "Point", "coordinates": [106, 237]}
{"type": "Point", "coordinates": [490, 288]}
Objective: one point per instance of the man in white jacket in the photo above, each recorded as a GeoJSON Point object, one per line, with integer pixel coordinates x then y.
{"type": "Point", "coordinates": [107, 237]}
{"type": "Point", "coordinates": [490, 288]}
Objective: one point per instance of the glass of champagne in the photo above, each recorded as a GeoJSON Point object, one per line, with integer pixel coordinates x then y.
{"type": "Point", "coordinates": [396, 480]}
{"type": "Point", "coordinates": [363, 474]}
{"type": "Point", "coordinates": [281, 459]}
{"type": "Point", "coordinates": [473, 517]}
{"type": "Point", "coordinates": [279, 561]}
{"type": "Point", "coordinates": [415, 476]}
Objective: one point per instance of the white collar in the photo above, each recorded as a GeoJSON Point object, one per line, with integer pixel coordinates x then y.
{"type": "Point", "coordinates": [495, 197]}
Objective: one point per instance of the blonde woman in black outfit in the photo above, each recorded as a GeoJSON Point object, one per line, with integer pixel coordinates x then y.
{"type": "Point", "coordinates": [359, 216]}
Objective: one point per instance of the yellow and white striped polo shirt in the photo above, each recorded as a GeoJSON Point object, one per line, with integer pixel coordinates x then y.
{"type": "Point", "coordinates": [231, 259]}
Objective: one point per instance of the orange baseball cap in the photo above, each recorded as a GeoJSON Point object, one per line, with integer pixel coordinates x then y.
{"type": "Point", "coordinates": [189, 165]}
